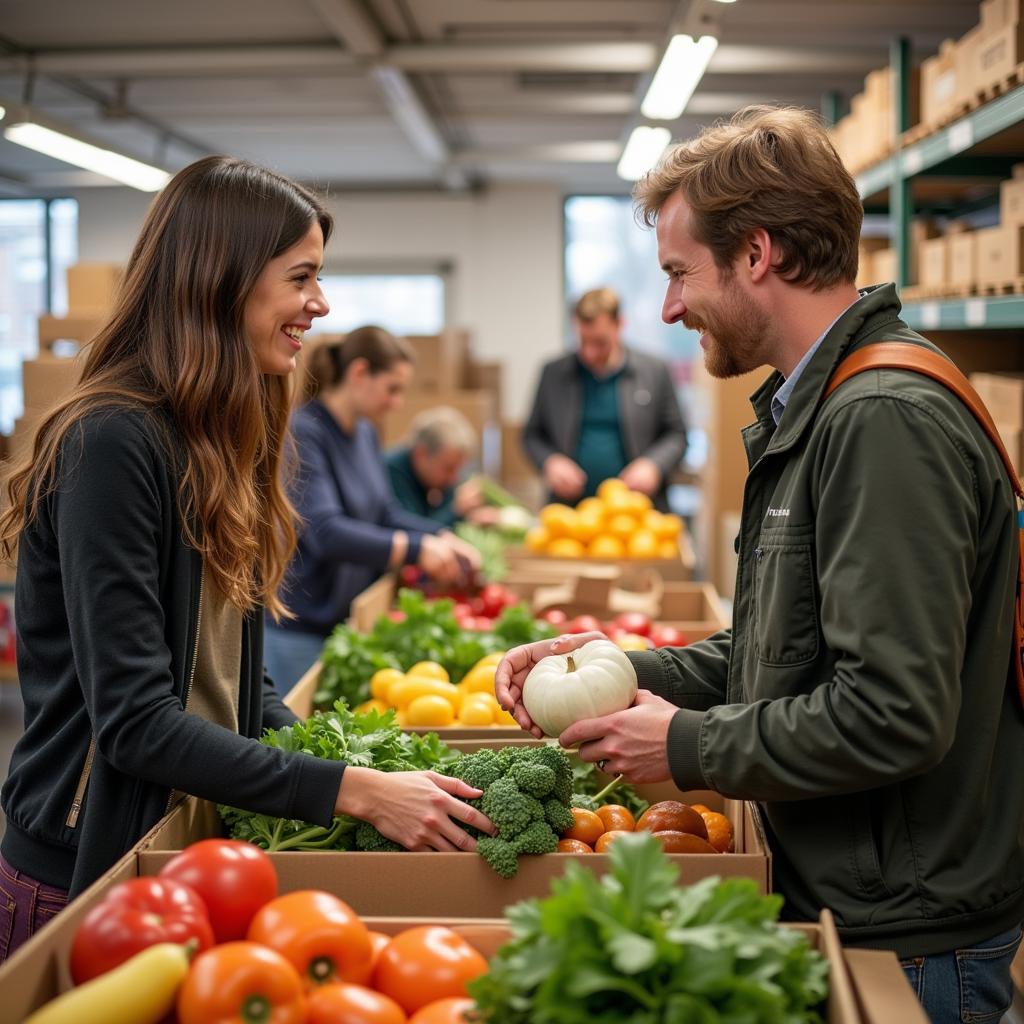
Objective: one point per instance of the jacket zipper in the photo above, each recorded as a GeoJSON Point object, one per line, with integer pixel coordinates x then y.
{"type": "Point", "coordinates": [192, 670]}
{"type": "Point", "coordinates": [83, 781]}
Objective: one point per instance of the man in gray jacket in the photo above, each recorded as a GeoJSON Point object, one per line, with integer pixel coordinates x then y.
{"type": "Point", "coordinates": [864, 700]}
{"type": "Point", "coordinates": [604, 411]}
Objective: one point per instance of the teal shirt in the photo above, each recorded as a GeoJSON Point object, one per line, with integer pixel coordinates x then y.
{"type": "Point", "coordinates": [412, 495]}
{"type": "Point", "coordinates": [599, 452]}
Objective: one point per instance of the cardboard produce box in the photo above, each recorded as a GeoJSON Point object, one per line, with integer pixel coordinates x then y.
{"type": "Point", "coordinates": [92, 288]}
{"type": "Point", "coordinates": [1000, 255]}
{"type": "Point", "coordinates": [963, 261]}
{"type": "Point", "coordinates": [522, 559]}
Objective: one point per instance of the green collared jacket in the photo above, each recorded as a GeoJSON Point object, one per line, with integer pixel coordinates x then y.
{"type": "Point", "coordinates": [862, 698]}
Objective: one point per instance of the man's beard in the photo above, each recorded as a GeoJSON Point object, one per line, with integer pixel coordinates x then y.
{"type": "Point", "coordinates": [735, 337]}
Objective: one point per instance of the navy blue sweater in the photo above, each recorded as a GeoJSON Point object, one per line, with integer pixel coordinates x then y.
{"type": "Point", "coordinates": [349, 517]}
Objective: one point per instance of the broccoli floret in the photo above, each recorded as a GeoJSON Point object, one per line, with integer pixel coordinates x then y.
{"type": "Point", "coordinates": [558, 816]}
{"type": "Point", "coordinates": [499, 854]}
{"type": "Point", "coordinates": [507, 808]}
{"type": "Point", "coordinates": [558, 761]}
{"type": "Point", "coordinates": [537, 838]}
{"type": "Point", "coordinates": [533, 777]}
{"type": "Point", "coordinates": [480, 769]}
{"type": "Point", "coordinates": [369, 840]}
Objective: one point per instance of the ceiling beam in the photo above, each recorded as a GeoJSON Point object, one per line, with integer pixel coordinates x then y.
{"type": "Point", "coordinates": [351, 26]}
{"type": "Point", "coordinates": [598, 151]}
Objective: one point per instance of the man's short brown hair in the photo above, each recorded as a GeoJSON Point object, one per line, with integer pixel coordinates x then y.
{"type": "Point", "coordinates": [590, 305]}
{"type": "Point", "coordinates": [771, 168]}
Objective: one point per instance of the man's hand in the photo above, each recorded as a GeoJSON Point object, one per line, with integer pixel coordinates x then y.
{"type": "Point", "coordinates": [516, 666]}
{"type": "Point", "coordinates": [632, 743]}
{"type": "Point", "coordinates": [642, 475]}
{"type": "Point", "coordinates": [563, 477]}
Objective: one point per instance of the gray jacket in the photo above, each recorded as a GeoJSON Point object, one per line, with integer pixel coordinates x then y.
{"type": "Point", "coordinates": [649, 416]}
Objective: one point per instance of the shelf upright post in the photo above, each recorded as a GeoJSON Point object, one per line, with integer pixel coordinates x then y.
{"type": "Point", "coordinates": [900, 200]}
{"type": "Point", "coordinates": [832, 107]}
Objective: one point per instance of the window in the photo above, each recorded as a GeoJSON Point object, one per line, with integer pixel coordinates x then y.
{"type": "Point", "coordinates": [411, 303]}
{"type": "Point", "coordinates": [38, 241]}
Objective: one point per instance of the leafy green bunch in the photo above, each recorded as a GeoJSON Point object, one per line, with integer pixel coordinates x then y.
{"type": "Point", "coordinates": [429, 632]}
{"type": "Point", "coordinates": [634, 946]}
{"type": "Point", "coordinates": [370, 740]}
{"type": "Point", "coordinates": [591, 788]}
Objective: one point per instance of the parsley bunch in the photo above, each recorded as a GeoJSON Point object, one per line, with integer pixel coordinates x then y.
{"type": "Point", "coordinates": [634, 946]}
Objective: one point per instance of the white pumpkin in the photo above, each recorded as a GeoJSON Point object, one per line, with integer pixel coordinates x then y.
{"type": "Point", "coordinates": [597, 679]}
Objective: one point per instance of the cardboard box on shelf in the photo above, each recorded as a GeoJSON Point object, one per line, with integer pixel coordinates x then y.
{"type": "Point", "coordinates": [963, 260]}
{"type": "Point", "coordinates": [939, 84]}
{"type": "Point", "coordinates": [92, 288]}
{"type": "Point", "coordinates": [1000, 255]}
{"type": "Point", "coordinates": [933, 263]}
{"type": "Point", "coordinates": [883, 263]}
{"type": "Point", "coordinates": [1003, 395]}
{"type": "Point", "coordinates": [479, 407]}
{"type": "Point", "coordinates": [997, 14]}
{"type": "Point", "coordinates": [48, 379]}
{"type": "Point", "coordinates": [995, 55]}
{"type": "Point", "coordinates": [1013, 442]}
{"type": "Point", "coordinates": [440, 359]}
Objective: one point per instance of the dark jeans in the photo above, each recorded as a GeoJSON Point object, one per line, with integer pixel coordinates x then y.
{"type": "Point", "coordinates": [25, 906]}
{"type": "Point", "coordinates": [966, 986]}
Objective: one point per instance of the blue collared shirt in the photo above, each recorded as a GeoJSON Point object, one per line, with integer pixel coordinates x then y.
{"type": "Point", "coordinates": [781, 397]}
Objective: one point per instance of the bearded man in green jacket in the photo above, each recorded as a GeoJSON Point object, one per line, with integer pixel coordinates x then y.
{"type": "Point", "coordinates": [864, 699]}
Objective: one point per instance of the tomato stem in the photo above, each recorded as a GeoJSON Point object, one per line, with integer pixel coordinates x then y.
{"type": "Point", "coordinates": [256, 1010]}
{"type": "Point", "coordinates": [321, 969]}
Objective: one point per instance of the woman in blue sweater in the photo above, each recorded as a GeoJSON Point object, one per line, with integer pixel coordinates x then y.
{"type": "Point", "coordinates": [353, 529]}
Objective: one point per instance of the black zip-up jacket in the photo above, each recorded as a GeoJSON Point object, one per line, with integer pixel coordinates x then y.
{"type": "Point", "coordinates": [107, 599]}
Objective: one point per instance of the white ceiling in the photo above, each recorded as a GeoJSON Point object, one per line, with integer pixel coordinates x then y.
{"type": "Point", "coordinates": [359, 94]}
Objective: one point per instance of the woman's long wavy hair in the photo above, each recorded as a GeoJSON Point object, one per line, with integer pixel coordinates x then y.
{"type": "Point", "coordinates": [176, 344]}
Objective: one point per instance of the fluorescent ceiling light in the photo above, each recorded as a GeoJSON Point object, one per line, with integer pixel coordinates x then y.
{"type": "Point", "coordinates": [681, 69]}
{"type": "Point", "coordinates": [642, 150]}
{"type": "Point", "coordinates": [71, 150]}
{"type": "Point", "coordinates": [725, 1]}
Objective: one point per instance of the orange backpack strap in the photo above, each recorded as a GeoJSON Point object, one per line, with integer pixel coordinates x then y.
{"type": "Point", "coordinates": [901, 355]}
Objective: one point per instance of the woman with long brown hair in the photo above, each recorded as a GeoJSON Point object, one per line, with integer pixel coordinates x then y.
{"type": "Point", "coordinates": [151, 530]}
{"type": "Point", "coordinates": [352, 525]}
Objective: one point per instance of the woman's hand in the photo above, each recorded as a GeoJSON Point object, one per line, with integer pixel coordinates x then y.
{"type": "Point", "coordinates": [414, 809]}
{"type": "Point", "coordinates": [516, 665]}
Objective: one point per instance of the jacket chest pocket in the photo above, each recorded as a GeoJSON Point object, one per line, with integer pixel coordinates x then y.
{"type": "Point", "coordinates": [785, 610]}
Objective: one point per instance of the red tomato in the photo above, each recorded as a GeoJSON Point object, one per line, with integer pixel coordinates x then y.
{"type": "Point", "coordinates": [318, 934]}
{"type": "Point", "coordinates": [396, 616]}
{"type": "Point", "coordinates": [494, 598]}
{"type": "Point", "coordinates": [667, 636]}
{"type": "Point", "coordinates": [352, 1004]}
{"type": "Point", "coordinates": [583, 624]}
{"type": "Point", "coordinates": [443, 1011]}
{"type": "Point", "coordinates": [480, 624]}
{"type": "Point", "coordinates": [461, 610]}
{"type": "Point", "coordinates": [634, 622]}
{"type": "Point", "coordinates": [613, 632]}
{"type": "Point", "coordinates": [422, 965]}
{"type": "Point", "coordinates": [234, 879]}
{"type": "Point", "coordinates": [134, 915]}
{"type": "Point", "coordinates": [476, 606]}
{"type": "Point", "coordinates": [241, 981]}
{"type": "Point", "coordinates": [555, 616]}
{"type": "Point", "coordinates": [410, 576]}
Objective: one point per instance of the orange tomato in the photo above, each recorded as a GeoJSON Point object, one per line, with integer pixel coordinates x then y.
{"type": "Point", "coordinates": [378, 940]}
{"type": "Point", "coordinates": [352, 1004]}
{"type": "Point", "coordinates": [606, 840]}
{"type": "Point", "coordinates": [720, 833]}
{"type": "Point", "coordinates": [231, 981]}
{"type": "Point", "coordinates": [606, 546]}
{"type": "Point", "coordinates": [317, 933]}
{"type": "Point", "coordinates": [616, 818]}
{"type": "Point", "coordinates": [443, 1011]}
{"type": "Point", "coordinates": [587, 826]}
{"type": "Point", "coordinates": [642, 544]}
{"type": "Point", "coordinates": [421, 965]}
{"type": "Point", "coordinates": [573, 846]}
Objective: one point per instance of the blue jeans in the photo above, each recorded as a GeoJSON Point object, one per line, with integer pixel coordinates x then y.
{"type": "Point", "coordinates": [288, 655]}
{"type": "Point", "coordinates": [966, 986]}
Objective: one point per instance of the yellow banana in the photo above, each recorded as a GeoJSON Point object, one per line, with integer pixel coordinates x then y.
{"type": "Point", "coordinates": [141, 991]}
